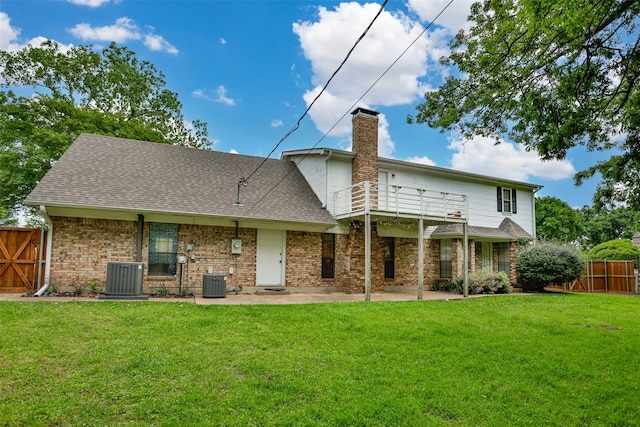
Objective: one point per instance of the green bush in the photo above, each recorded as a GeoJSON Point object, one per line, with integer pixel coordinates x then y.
{"type": "Point", "coordinates": [482, 282]}
{"type": "Point", "coordinates": [448, 286]}
{"type": "Point", "coordinates": [488, 282]}
{"type": "Point", "coordinates": [547, 263]}
{"type": "Point", "coordinates": [619, 249]}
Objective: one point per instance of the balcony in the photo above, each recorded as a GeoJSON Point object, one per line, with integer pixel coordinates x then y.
{"type": "Point", "coordinates": [386, 200]}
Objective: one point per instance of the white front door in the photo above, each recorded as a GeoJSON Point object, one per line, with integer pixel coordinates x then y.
{"type": "Point", "coordinates": [270, 258]}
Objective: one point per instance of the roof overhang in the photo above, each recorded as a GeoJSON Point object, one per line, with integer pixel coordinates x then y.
{"type": "Point", "coordinates": [120, 214]}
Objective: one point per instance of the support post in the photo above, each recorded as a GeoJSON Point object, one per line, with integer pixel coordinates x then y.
{"type": "Point", "coordinates": [367, 256]}
{"type": "Point", "coordinates": [420, 258]}
{"type": "Point", "coordinates": [367, 242]}
{"type": "Point", "coordinates": [465, 257]}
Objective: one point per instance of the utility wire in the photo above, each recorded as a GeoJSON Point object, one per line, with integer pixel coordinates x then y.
{"type": "Point", "coordinates": [297, 125]}
{"type": "Point", "coordinates": [350, 108]}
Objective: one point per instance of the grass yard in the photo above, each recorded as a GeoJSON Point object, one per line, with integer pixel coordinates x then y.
{"type": "Point", "coordinates": [570, 360]}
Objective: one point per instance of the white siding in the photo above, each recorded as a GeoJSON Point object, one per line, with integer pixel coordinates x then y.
{"type": "Point", "coordinates": [313, 168]}
{"type": "Point", "coordinates": [328, 177]}
{"type": "Point", "coordinates": [339, 179]}
{"type": "Point", "coordinates": [482, 199]}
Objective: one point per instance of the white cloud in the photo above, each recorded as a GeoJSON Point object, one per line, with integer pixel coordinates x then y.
{"type": "Point", "coordinates": [222, 41]}
{"type": "Point", "coordinates": [90, 3]}
{"type": "Point", "coordinates": [123, 30]}
{"type": "Point", "coordinates": [9, 37]}
{"type": "Point", "coordinates": [423, 160]}
{"type": "Point", "coordinates": [199, 93]}
{"type": "Point", "coordinates": [8, 34]}
{"type": "Point", "coordinates": [156, 42]}
{"type": "Point", "coordinates": [326, 42]}
{"type": "Point", "coordinates": [277, 123]}
{"type": "Point", "coordinates": [222, 96]}
{"type": "Point", "coordinates": [506, 160]}
{"type": "Point", "coordinates": [233, 151]}
{"type": "Point", "coordinates": [453, 18]}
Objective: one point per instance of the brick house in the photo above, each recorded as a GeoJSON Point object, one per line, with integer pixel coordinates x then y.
{"type": "Point", "coordinates": [316, 219]}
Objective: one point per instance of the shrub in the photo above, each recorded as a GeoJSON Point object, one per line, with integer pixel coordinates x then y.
{"type": "Point", "coordinates": [448, 286]}
{"type": "Point", "coordinates": [620, 249]}
{"type": "Point", "coordinates": [94, 286]}
{"type": "Point", "coordinates": [482, 282]}
{"type": "Point", "coordinates": [545, 263]}
{"type": "Point", "coordinates": [488, 282]}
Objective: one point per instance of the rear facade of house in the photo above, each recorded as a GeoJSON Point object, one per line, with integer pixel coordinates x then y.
{"type": "Point", "coordinates": [314, 220]}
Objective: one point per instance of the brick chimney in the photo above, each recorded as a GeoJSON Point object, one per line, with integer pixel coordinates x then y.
{"type": "Point", "coordinates": [365, 144]}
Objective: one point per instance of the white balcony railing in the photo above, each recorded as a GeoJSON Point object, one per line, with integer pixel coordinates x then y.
{"type": "Point", "coordinates": [399, 200]}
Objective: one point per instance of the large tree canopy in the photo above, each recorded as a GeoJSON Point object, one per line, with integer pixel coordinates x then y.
{"type": "Point", "coordinates": [49, 96]}
{"type": "Point", "coordinates": [602, 225]}
{"type": "Point", "coordinates": [556, 220]}
{"type": "Point", "coordinates": [551, 75]}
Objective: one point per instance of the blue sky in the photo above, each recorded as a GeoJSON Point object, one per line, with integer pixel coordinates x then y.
{"type": "Point", "coordinates": [250, 68]}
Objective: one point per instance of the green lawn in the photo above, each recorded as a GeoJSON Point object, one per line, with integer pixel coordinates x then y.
{"type": "Point", "coordinates": [570, 360]}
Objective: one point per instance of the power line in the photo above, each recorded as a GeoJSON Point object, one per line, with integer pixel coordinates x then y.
{"type": "Point", "coordinates": [297, 125]}
{"type": "Point", "coordinates": [345, 113]}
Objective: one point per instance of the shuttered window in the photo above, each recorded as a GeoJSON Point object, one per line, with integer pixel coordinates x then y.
{"type": "Point", "coordinates": [507, 200]}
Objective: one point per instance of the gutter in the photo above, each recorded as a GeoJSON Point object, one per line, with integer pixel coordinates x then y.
{"type": "Point", "coordinates": [47, 266]}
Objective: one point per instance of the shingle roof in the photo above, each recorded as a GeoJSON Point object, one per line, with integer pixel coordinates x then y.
{"type": "Point", "coordinates": [113, 173]}
{"type": "Point", "coordinates": [507, 230]}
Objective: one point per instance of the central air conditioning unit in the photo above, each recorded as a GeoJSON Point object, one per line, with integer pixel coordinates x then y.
{"type": "Point", "coordinates": [124, 278]}
{"type": "Point", "coordinates": [214, 286]}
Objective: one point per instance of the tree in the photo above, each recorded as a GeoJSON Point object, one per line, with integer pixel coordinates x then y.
{"type": "Point", "coordinates": [556, 220]}
{"type": "Point", "coordinates": [602, 225]}
{"type": "Point", "coordinates": [70, 92]}
{"type": "Point", "coordinates": [550, 75]}
{"type": "Point", "coordinates": [620, 249]}
{"type": "Point", "coordinates": [546, 263]}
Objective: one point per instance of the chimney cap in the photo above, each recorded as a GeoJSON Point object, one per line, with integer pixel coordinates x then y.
{"type": "Point", "coordinates": [365, 111]}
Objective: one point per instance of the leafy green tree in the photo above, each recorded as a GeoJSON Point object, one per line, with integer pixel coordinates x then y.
{"type": "Point", "coordinates": [545, 263]}
{"type": "Point", "coordinates": [49, 96]}
{"type": "Point", "coordinates": [621, 249]}
{"type": "Point", "coordinates": [602, 225]}
{"type": "Point", "coordinates": [556, 220]}
{"type": "Point", "coordinates": [551, 75]}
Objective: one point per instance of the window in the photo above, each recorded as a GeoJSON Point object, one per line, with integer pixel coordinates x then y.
{"type": "Point", "coordinates": [163, 249]}
{"type": "Point", "coordinates": [487, 256]}
{"type": "Point", "coordinates": [328, 255]}
{"type": "Point", "coordinates": [504, 256]}
{"type": "Point", "coordinates": [388, 249]}
{"type": "Point", "coordinates": [507, 200]}
{"type": "Point", "coordinates": [446, 259]}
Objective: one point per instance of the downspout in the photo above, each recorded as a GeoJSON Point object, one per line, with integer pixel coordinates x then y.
{"type": "Point", "coordinates": [533, 209]}
{"type": "Point", "coordinates": [47, 266]}
{"type": "Point", "coordinates": [40, 255]}
{"type": "Point", "coordinates": [326, 180]}
{"type": "Point", "coordinates": [139, 238]}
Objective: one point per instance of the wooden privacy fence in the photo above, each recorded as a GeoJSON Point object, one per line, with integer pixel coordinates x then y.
{"type": "Point", "coordinates": [608, 276]}
{"type": "Point", "coordinates": [20, 259]}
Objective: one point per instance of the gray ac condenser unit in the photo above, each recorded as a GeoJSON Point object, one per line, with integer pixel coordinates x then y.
{"type": "Point", "coordinates": [124, 278]}
{"type": "Point", "coordinates": [214, 286]}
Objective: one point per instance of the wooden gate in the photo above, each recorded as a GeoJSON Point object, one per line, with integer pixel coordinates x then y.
{"type": "Point", "coordinates": [19, 252]}
{"type": "Point", "coordinates": [607, 276]}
